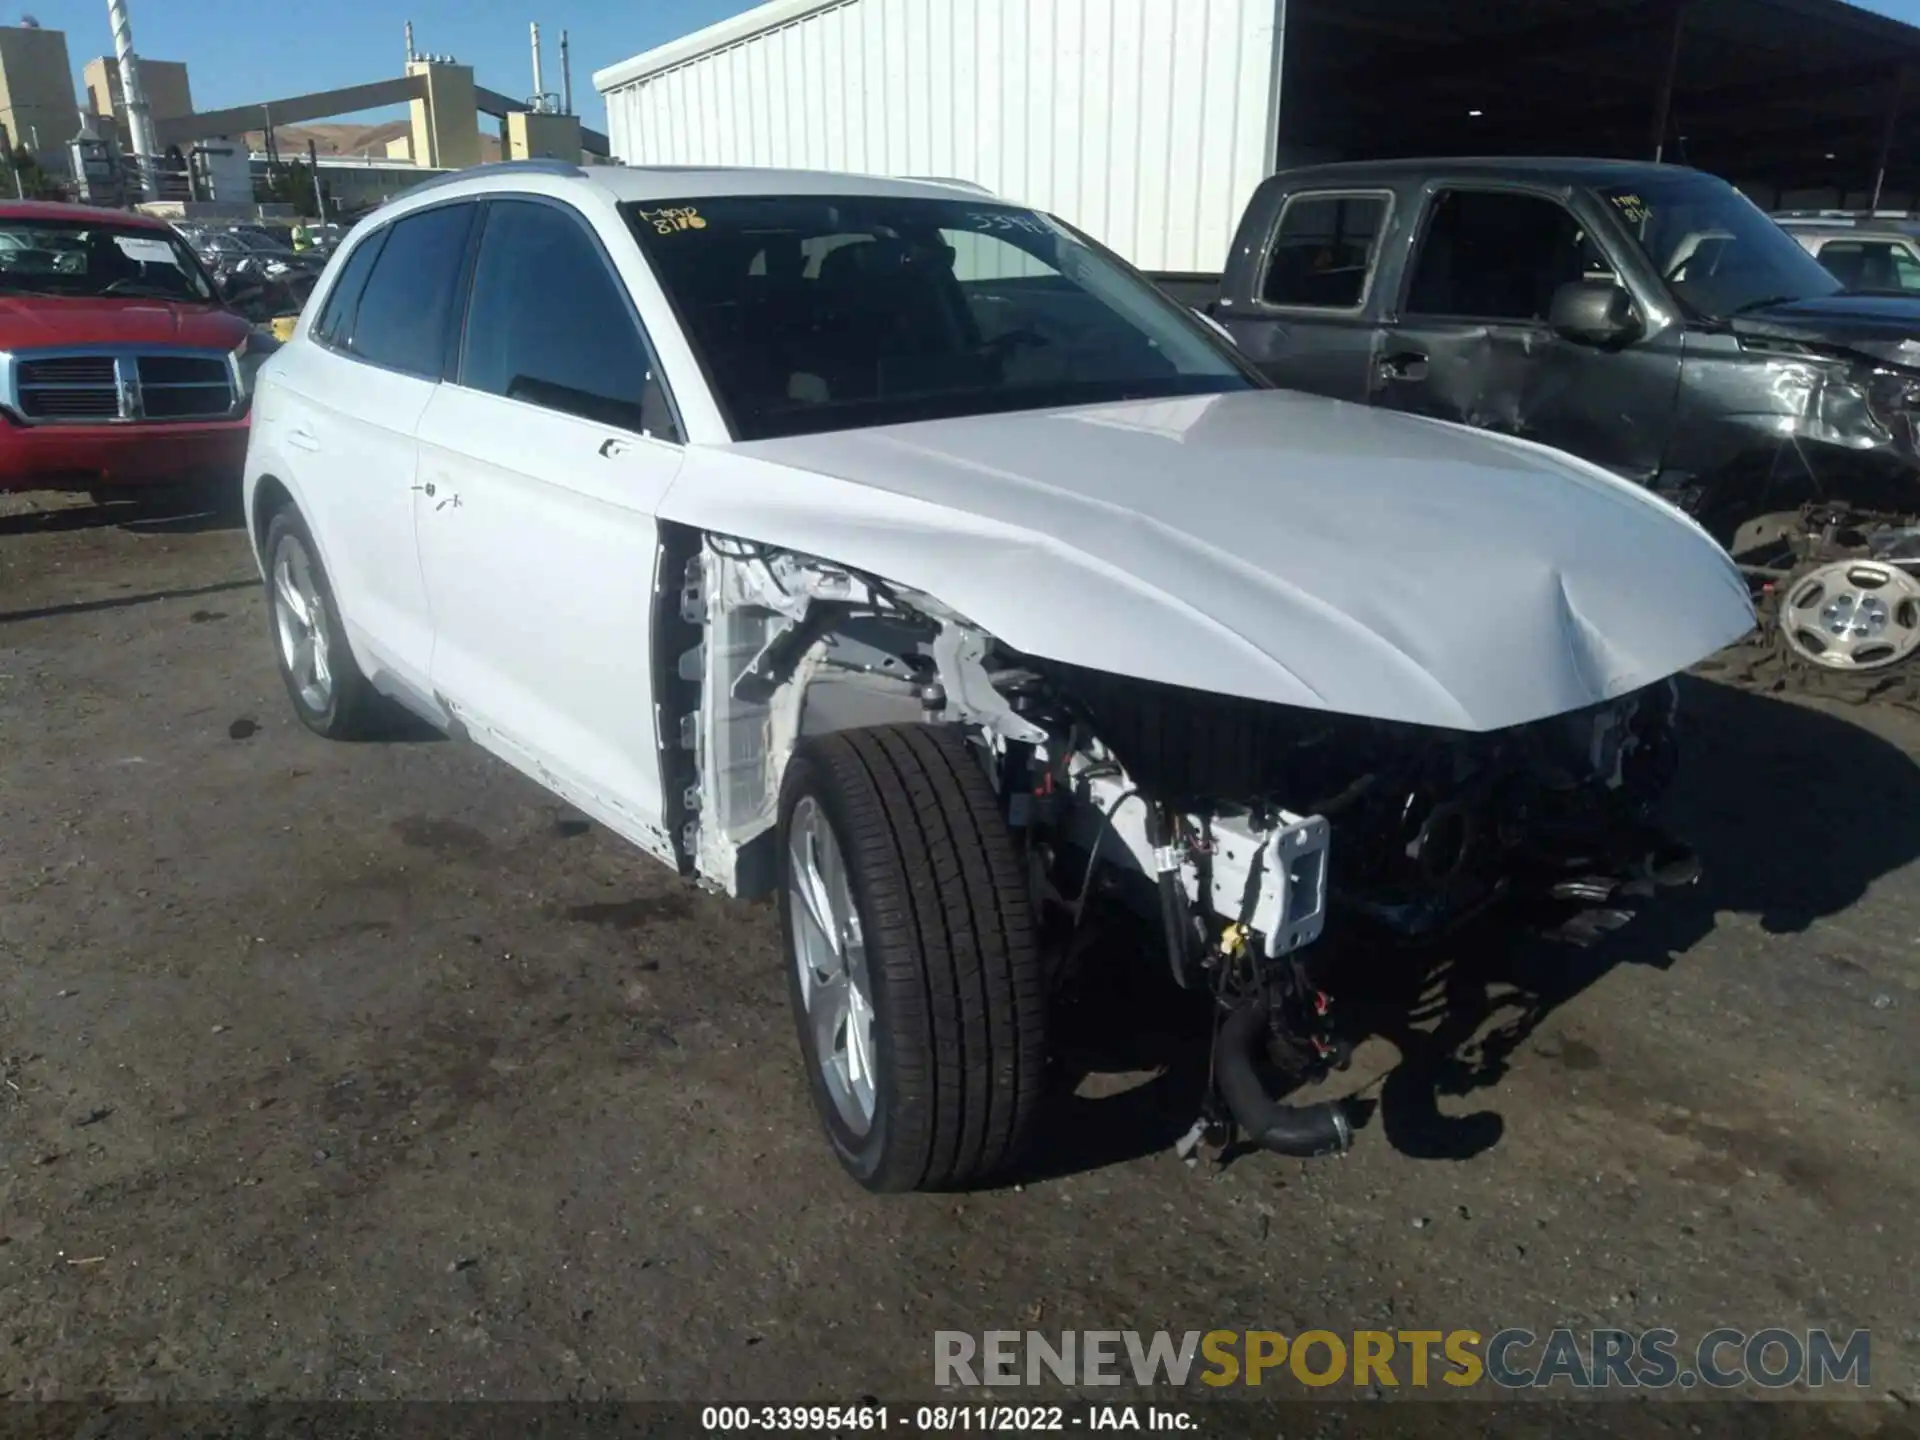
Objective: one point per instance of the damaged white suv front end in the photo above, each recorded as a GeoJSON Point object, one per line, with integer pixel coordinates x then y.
{"type": "Point", "coordinates": [1211, 816]}
{"type": "Point", "coordinates": [990, 589]}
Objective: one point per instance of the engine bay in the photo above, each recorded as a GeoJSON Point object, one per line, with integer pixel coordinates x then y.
{"type": "Point", "coordinates": [1240, 832]}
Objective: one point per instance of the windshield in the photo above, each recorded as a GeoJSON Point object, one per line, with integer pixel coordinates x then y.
{"type": "Point", "coordinates": [1715, 248]}
{"type": "Point", "coordinates": [260, 242]}
{"type": "Point", "coordinates": [81, 258]}
{"type": "Point", "coordinates": [817, 313]}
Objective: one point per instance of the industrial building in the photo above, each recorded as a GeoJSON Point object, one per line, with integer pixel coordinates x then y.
{"type": "Point", "coordinates": [444, 103]}
{"type": "Point", "coordinates": [168, 92]}
{"type": "Point", "coordinates": [1148, 123]}
{"type": "Point", "coordinates": [36, 93]}
{"type": "Point", "coordinates": [443, 100]}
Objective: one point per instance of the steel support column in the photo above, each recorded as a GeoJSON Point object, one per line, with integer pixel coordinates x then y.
{"type": "Point", "coordinates": [1895, 98]}
{"type": "Point", "coordinates": [1663, 102]}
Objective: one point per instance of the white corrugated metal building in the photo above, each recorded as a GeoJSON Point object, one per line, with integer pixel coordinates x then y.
{"type": "Point", "coordinates": [1147, 123]}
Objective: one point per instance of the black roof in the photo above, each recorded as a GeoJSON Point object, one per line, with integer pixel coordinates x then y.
{"type": "Point", "coordinates": [1794, 93]}
{"type": "Point", "coordinates": [1551, 169]}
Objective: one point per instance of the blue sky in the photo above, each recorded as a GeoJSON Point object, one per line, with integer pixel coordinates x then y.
{"type": "Point", "coordinates": [243, 50]}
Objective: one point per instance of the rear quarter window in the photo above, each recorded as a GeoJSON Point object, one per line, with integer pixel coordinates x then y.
{"type": "Point", "coordinates": [335, 324]}
{"type": "Point", "coordinates": [1325, 250]}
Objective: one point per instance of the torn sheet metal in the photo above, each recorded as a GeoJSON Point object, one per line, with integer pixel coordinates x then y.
{"type": "Point", "coordinates": [1768, 425]}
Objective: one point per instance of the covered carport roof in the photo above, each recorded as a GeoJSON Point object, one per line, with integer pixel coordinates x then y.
{"type": "Point", "coordinates": [1795, 94]}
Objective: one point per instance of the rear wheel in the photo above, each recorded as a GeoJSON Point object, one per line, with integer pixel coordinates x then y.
{"type": "Point", "coordinates": [912, 960]}
{"type": "Point", "coordinates": [329, 694]}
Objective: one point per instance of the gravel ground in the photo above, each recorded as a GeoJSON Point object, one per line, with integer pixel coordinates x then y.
{"type": "Point", "coordinates": [365, 1071]}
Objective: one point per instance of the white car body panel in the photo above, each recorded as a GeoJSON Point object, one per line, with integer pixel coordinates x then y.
{"type": "Point", "coordinates": [1266, 544]}
{"type": "Point", "coordinates": [537, 550]}
{"type": "Point", "coordinates": [345, 436]}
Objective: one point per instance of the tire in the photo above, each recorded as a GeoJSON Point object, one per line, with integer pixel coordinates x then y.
{"type": "Point", "coordinates": [942, 925]}
{"type": "Point", "coordinates": [347, 707]}
{"type": "Point", "coordinates": [1767, 663]}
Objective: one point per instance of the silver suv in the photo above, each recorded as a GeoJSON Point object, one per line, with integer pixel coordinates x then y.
{"type": "Point", "coordinates": [1876, 252]}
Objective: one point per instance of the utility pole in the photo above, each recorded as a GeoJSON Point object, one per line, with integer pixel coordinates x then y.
{"type": "Point", "coordinates": [1896, 98]}
{"type": "Point", "coordinates": [1676, 19]}
{"type": "Point", "coordinates": [313, 169]}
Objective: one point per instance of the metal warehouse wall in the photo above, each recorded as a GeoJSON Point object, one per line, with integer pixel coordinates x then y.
{"type": "Point", "coordinates": [1147, 123]}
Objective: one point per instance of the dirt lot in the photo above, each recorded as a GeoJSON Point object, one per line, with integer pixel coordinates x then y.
{"type": "Point", "coordinates": [365, 1071]}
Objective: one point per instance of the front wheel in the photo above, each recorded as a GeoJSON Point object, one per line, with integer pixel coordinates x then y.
{"type": "Point", "coordinates": [912, 960]}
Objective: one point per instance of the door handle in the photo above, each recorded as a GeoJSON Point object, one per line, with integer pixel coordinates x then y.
{"type": "Point", "coordinates": [1405, 365]}
{"type": "Point", "coordinates": [428, 489]}
{"type": "Point", "coordinates": [611, 446]}
{"type": "Point", "coordinates": [302, 440]}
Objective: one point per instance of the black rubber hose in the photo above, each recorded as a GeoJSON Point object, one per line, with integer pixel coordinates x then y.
{"type": "Point", "coordinates": [1304, 1130]}
{"type": "Point", "coordinates": [1173, 900]}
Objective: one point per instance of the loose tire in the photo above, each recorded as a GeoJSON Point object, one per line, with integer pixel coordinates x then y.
{"type": "Point", "coordinates": [912, 960]}
{"type": "Point", "coordinates": [329, 694]}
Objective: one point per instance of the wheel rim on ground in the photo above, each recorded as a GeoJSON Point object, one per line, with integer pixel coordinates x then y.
{"type": "Point", "coordinates": [830, 957]}
{"type": "Point", "coordinates": [1852, 615]}
{"type": "Point", "coordinates": [300, 621]}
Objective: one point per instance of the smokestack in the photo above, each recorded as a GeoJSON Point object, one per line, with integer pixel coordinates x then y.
{"type": "Point", "coordinates": [566, 77]}
{"type": "Point", "coordinates": [139, 122]}
{"type": "Point", "coordinates": [538, 88]}
{"type": "Point", "coordinates": [410, 50]}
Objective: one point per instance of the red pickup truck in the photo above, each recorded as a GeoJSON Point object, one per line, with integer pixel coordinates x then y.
{"type": "Point", "coordinates": [121, 370]}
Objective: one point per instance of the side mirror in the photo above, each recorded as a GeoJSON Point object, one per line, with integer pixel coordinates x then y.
{"type": "Point", "coordinates": [1594, 312]}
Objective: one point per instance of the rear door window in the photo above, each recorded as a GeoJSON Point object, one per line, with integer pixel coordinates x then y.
{"type": "Point", "coordinates": [405, 317]}
{"type": "Point", "coordinates": [1325, 250]}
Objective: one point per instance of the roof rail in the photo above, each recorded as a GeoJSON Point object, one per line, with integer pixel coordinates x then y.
{"type": "Point", "coordinates": [970, 185]}
{"type": "Point", "coordinates": [564, 168]}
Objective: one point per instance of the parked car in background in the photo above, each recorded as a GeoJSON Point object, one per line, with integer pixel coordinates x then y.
{"type": "Point", "coordinates": [265, 281]}
{"type": "Point", "coordinates": [1869, 253]}
{"type": "Point", "coordinates": [1647, 318]}
{"type": "Point", "coordinates": [121, 369]}
{"type": "Point", "coordinates": [885, 546]}
{"type": "Point", "coordinates": [279, 239]}
{"type": "Point", "coordinates": [275, 256]}
{"type": "Point", "coordinates": [325, 236]}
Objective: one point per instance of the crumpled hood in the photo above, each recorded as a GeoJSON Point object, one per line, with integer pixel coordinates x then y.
{"type": "Point", "coordinates": [1883, 327]}
{"type": "Point", "coordinates": [1273, 545]}
{"type": "Point", "coordinates": [29, 321]}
